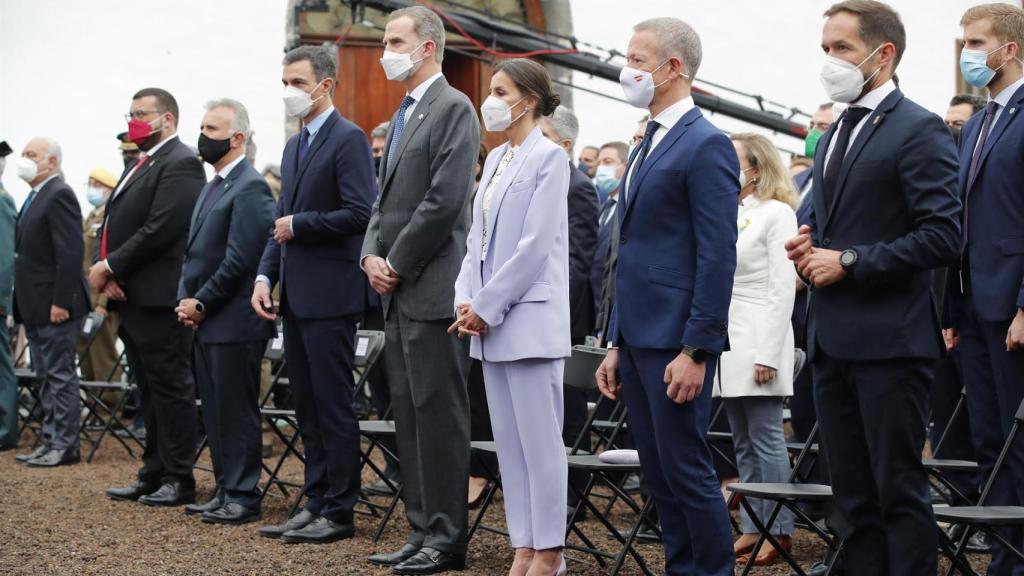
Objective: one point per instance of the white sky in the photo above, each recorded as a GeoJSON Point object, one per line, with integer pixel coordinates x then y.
{"type": "Point", "coordinates": [69, 69]}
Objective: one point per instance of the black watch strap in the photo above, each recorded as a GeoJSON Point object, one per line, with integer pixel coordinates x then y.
{"type": "Point", "coordinates": [695, 354]}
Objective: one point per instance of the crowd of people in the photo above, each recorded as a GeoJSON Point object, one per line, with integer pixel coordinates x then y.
{"type": "Point", "coordinates": [863, 286]}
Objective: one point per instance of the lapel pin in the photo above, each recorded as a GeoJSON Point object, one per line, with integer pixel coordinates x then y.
{"type": "Point", "coordinates": [420, 117]}
{"type": "Point", "coordinates": [875, 121]}
{"type": "Point", "coordinates": [1012, 110]}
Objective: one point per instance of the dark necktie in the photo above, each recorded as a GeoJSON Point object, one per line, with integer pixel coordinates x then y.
{"type": "Point", "coordinates": [606, 214]}
{"type": "Point", "coordinates": [641, 155]}
{"type": "Point", "coordinates": [835, 162]}
{"type": "Point", "coordinates": [28, 202]}
{"type": "Point", "coordinates": [303, 145]}
{"type": "Point", "coordinates": [212, 194]}
{"type": "Point", "coordinates": [972, 173]}
{"type": "Point", "coordinates": [396, 135]}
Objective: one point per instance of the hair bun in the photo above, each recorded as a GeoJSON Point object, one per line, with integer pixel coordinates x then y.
{"type": "Point", "coordinates": [550, 103]}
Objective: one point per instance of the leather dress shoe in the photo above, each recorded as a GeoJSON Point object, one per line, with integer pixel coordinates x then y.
{"type": "Point", "coordinates": [137, 490]}
{"type": "Point", "coordinates": [55, 458]}
{"type": "Point", "coordinates": [210, 505]}
{"type": "Point", "coordinates": [296, 522]}
{"type": "Point", "coordinates": [33, 454]}
{"type": "Point", "coordinates": [232, 513]}
{"type": "Point", "coordinates": [319, 531]}
{"type": "Point", "coordinates": [430, 561]}
{"type": "Point", "coordinates": [392, 558]}
{"type": "Point", "coordinates": [170, 494]}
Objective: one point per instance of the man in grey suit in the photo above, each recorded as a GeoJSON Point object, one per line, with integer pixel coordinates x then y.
{"type": "Point", "coordinates": [412, 253]}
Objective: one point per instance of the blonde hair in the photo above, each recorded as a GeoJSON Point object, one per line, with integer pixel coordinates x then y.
{"type": "Point", "coordinates": [773, 181]}
{"type": "Point", "coordinates": [1007, 21]}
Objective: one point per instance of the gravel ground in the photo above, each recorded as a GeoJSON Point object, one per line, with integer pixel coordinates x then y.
{"type": "Point", "coordinates": [58, 521]}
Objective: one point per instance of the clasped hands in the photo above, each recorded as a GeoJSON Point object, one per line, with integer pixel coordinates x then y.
{"type": "Point", "coordinates": [382, 278]}
{"type": "Point", "coordinates": [187, 313]}
{"type": "Point", "coordinates": [102, 281]}
{"type": "Point", "coordinates": [820, 267]}
{"type": "Point", "coordinates": [467, 322]}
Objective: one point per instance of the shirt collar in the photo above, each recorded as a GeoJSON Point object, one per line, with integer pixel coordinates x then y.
{"type": "Point", "coordinates": [317, 123]}
{"type": "Point", "coordinates": [149, 153]}
{"type": "Point", "coordinates": [223, 173]}
{"type": "Point", "coordinates": [418, 92]}
{"type": "Point", "coordinates": [1003, 98]}
{"type": "Point", "coordinates": [669, 116]}
{"type": "Point", "coordinates": [872, 99]}
{"type": "Point", "coordinates": [45, 182]}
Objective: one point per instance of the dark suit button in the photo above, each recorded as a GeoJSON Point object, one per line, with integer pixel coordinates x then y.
{"type": "Point", "coordinates": [826, 242]}
{"type": "Point", "coordinates": [622, 239]}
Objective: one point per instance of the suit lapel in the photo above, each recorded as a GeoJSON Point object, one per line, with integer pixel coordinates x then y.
{"type": "Point", "coordinates": [318, 141]}
{"type": "Point", "coordinates": [652, 157]}
{"type": "Point", "coordinates": [508, 177]}
{"type": "Point", "coordinates": [416, 119]}
{"type": "Point", "coordinates": [818, 172]}
{"type": "Point", "coordinates": [1005, 118]}
{"type": "Point", "coordinates": [229, 182]}
{"type": "Point", "coordinates": [871, 123]}
{"type": "Point", "coordinates": [142, 170]}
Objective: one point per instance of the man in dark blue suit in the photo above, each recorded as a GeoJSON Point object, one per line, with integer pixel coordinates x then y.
{"type": "Point", "coordinates": [885, 215]}
{"type": "Point", "coordinates": [229, 228]}
{"type": "Point", "coordinates": [986, 289]}
{"type": "Point", "coordinates": [327, 190]}
{"type": "Point", "coordinates": [611, 167]}
{"type": "Point", "coordinates": [677, 256]}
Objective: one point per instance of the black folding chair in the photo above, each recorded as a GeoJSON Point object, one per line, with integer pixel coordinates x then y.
{"type": "Point", "coordinates": [939, 468]}
{"type": "Point", "coordinates": [983, 518]}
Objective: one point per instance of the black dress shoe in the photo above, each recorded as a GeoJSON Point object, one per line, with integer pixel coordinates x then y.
{"type": "Point", "coordinates": [296, 522]}
{"type": "Point", "coordinates": [172, 493]}
{"type": "Point", "coordinates": [319, 531]}
{"type": "Point", "coordinates": [33, 454]}
{"type": "Point", "coordinates": [232, 513]}
{"type": "Point", "coordinates": [392, 558]}
{"type": "Point", "coordinates": [55, 458]}
{"type": "Point", "coordinates": [430, 561]}
{"type": "Point", "coordinates": [137, 490]}
{"type": "Point", "coordinates": [212, 504]}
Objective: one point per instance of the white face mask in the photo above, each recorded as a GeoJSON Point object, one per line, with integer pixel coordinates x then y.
{"type": "Point", "coordinates": [297, 102]}
{"type": "Point", "coordinates": [27, 169]}
{"type": "Point", "coordinates": [743, 178]}
{"type": "Point", "coordinates": [638, 85]}
{"type": "Point", "coordinates": [398, 66]}
{"type": "Point", "coordinates": [843, 81]}
{"type": "Point", "coordinates": [497, 114]}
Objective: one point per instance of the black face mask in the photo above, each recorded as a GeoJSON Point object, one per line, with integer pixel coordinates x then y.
{"type": "Point", "coordinates": [956, 135]}
{"type": "Point", "coordinates": [376, 163]}
{"type": "Point", "coordinates": [211, 151]}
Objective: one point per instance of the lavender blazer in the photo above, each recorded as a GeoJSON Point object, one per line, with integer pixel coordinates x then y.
{"type": "Point", "coordinates": [525, 301]}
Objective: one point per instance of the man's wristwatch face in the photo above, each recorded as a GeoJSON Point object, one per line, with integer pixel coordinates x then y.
{"type": "Point", "coordinates": [199, 307]}
{"type": "Point", "coordinates": [847, 258]}
{"type": "Point", "coordinates": [695, 354]}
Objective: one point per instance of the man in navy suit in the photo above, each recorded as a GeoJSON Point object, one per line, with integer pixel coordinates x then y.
{"type": "Point", "coordinates": [229, 228]}
{"type": "Point", "coordinates": [327, 189]}
{"type": "Point", "coordinates": [677, 256]}
{"type": "Point", "coordinates": [986, 289]}
{"type": "Point", "coordinates": [884, 216]}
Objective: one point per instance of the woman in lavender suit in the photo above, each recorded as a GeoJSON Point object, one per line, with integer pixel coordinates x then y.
{"type": "Point", "coordinates": [512, 298]}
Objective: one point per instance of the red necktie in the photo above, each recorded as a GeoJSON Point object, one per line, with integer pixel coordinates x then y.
{"type": "Point", "coordinates": [103, 238]}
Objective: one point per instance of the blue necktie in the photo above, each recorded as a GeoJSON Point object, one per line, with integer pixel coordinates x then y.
{"type": "Point", "coordinates": [303, 145]}
{"type": "Point", "coordinates": [645, 147]}
{"type": "Point", "coordinates": [396, 136]}
{"type": "Point", "coordinates": [28, 202]}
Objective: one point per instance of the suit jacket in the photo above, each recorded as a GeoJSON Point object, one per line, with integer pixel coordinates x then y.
{"type": "Point", "coordinates": [606, 256]}
{"type": "Point", "coordinates": [147, 225]}
{"type": "Point", "coordinates": [329, 196]}
{"type": "Point", "coordinates": [995, 208]}
{"type": "Point", "coordinates": [225, 242]}
{"type": "Point", "coordinates": [583, 223]}
{"type": "Point", "coordinates": [803, 218]}
{"type": "Point", "coordinates": [896, 206]}
{"type": "Point", "coordinates": [525, 302]}
{"type": "Point", "coordinates": [48, 265]}
{"type": "Point", "coordinates": [677, 242]}
{"type": "Point", "coordinates": [420, 219]}
{"type": "Point", "coordinates": [8, 225]}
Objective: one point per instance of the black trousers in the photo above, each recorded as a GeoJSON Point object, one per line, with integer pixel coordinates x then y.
{"type": "Point", "coordinates": [158, 350]}
{"type": "Point", "coordinates": [320, 353]}
{"type": "Point", "coordinates": [228, 378]}
{"type": "Point", "coordinates": [872, 421]}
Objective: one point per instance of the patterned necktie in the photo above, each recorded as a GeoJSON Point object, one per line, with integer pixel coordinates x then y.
{"type": "Point", "coordinates": [835, 162]}
{"type": "Point", "coordinates": [303, 145]}
{"type": "Point", "coordinates": [396, 135]}
{"type": "Point", "coordinates": [645, 147]}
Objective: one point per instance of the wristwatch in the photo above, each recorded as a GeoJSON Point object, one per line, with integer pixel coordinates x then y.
{"type": "Point", "coordinates": [695, 354]}
{"type": "Point", "coordinates": [848, 259]}
{"type": "Point", "coordinates": [200, 307]}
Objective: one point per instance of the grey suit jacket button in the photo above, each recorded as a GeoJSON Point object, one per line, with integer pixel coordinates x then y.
{"type": "Point", "coordinates": [826, 242]}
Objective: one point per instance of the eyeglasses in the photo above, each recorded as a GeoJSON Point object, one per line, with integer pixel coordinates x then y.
{"type": "Point", "coordinates": [140, 114]}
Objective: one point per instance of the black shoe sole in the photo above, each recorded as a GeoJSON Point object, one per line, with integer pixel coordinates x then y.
{"type": "Point", "coordinates": [232, 522]}
{"type": "Point", "coordinates": [174, 504]}
{"type": "Point", "coordinates": [271, 535]}
{"type": "Point", "coordinates": [306, 540]}
{"type": "Point", "coordinates": [438, 570]}
{"type": "Point", "coordinates": [382, 562]}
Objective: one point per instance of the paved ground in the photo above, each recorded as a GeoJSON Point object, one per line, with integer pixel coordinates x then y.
{"type": "Point", "coordinates": [59, 522]}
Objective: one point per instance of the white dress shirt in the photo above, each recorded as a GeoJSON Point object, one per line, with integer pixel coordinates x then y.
{"type": "Point", "coordinates": [506, 159]}
{"type": "Point", "coordinates": [417, 94]}
{"type": "Point", "coordinates": [666, 120]}
{"type": "Point", "coordinates": [871, 100]}
{"type": "Point", "coordinates": [223, 172]}
{"type": "Point", "coordinates": [1003, 99]}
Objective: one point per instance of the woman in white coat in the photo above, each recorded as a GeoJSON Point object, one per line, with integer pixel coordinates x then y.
{"type": "Point", "coordinates": [512, 298]}
{"type": "Point", "coordinates": [757, 373]}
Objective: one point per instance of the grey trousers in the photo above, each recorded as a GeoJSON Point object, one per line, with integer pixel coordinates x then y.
{"type": "Point", "coordinates": [427, 370]}
{"type": "Point", "coordinates": [761, 455]}
{"type": "Point", "coordinates": [53, 358]}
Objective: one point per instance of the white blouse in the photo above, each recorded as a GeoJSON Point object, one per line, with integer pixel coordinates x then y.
{"type": "Point", "coordinates": [488, 193]}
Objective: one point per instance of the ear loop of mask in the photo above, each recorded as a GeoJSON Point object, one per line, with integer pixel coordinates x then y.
{"type": "Point", "coordinates": [687, 76]}
{"type": "Point", "coordinates": [1004, 63]}
{"type": "Point", "coordinates": [525, 110]}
